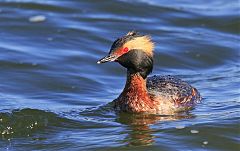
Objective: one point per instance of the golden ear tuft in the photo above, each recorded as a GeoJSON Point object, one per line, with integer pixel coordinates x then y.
{"type": "Point", "coordinates": [143, 43]}
{"type": "Point", "coordinates": [148, 45]}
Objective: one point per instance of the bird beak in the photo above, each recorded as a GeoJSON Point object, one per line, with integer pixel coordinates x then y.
{"type": "Point", "coordinates": [108, 58]}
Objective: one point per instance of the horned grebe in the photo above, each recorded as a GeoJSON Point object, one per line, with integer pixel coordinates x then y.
{"type": "Point", "coordinates": [164, 95]}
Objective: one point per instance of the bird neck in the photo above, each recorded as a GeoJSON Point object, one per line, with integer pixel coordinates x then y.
{"type": "Point", "coordinates": [135, 97]}
{"type": "Point", "coordinates": [135, 82]}
{"type": "Point", "coordinates": [135, 89]}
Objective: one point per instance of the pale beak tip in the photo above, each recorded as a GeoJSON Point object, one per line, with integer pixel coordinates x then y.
{"type": "Point", "coordinates": [109, 58]}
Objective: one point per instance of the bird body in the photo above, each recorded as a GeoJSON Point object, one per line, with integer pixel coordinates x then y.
{"type": "Point", "coordinates": [164, 95]}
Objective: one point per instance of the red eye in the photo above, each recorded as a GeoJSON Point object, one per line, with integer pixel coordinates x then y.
{"type": "Point", "coordinates": [125, 49]}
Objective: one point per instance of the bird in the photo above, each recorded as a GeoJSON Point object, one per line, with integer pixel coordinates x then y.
{"type": "Point", "coordinates": [158, 94]}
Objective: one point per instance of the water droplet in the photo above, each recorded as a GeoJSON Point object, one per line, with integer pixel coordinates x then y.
{"type": "Point", "coordinates": [180, 127]}
{"type": "Point", "coordinates": [194, 131]}
{"type": "Point", "coordinates": [38, 18]}
{"type": "Point", "coordinates": [205, 142]}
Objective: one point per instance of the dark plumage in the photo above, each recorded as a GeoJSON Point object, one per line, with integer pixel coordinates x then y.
{"type": "Point", "coordinates": [173, 88]}
{"type": "Point", "coordinates": [140, 62]}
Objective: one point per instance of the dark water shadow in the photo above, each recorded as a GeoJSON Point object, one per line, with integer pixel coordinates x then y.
{"type": "Point", "coordinates": [34, 124]}
{"type": "Point", "coordinates": [23, 123]}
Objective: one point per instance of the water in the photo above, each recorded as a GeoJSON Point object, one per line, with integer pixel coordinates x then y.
{"type": "Point", "coordinates": [53, 95]}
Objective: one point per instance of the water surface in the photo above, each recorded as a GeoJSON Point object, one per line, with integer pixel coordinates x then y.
{"type": "Point", "coordinates": [53, 95]}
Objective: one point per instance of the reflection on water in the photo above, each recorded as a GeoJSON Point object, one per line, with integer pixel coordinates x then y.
{"type": "Point", "coordinates": [139, 131]}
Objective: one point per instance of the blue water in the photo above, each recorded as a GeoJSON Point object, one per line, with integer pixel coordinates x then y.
{"type": "Point", "coordinates": [53, 95]}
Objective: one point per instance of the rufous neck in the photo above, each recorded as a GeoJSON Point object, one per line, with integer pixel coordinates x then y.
{"type": "Point", "coordinates": [135, 82]}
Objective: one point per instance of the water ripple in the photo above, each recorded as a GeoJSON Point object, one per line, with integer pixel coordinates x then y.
{"type": "Point", "coordinates": [53, 94]}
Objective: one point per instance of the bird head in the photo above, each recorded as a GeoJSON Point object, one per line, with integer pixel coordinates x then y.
{"type": "Point", "coordinates": [134, 52]}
